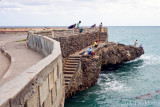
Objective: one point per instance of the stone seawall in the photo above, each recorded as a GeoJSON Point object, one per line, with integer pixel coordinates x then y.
{"type": "Point", "coordinates": [40, 85]}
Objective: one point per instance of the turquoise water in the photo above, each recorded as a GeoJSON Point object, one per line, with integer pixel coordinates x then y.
{"type": "Point", "coordinates": [118, 86]}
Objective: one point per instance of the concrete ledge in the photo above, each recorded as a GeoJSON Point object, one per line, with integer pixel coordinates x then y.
{"type": "Point", "coordinates": [12, 64]}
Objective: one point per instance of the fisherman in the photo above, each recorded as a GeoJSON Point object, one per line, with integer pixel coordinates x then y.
{"type": "Point", "coordinates": [135, 43]}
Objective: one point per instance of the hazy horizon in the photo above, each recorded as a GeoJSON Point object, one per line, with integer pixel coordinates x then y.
{"type": "Point", "coordinates": [67, 12]}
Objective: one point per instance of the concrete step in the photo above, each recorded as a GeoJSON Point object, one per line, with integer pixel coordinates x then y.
{"type": "Point", "coordinates": [67, 80]}
{"type": "Point", "coordinates": [68, 72]}
{"type": "Point", "coordinates": [68, 63]}
{"type": "Point", "coordinates": [72, 61]}
{"type": "Point", "coordinates": [67, 83]}
{"type": "Point", "coordinates": [70, 66]}
{"type": "Point", "coordinates": [68, 75]}
{"type": "Point", "coordinates": [69, 69]}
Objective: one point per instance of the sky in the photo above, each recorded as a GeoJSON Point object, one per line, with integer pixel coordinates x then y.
{"type": "Point", "coordinates": [68, 12]}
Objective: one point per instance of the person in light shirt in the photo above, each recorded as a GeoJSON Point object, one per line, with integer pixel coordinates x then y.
{"type": "Point", "coordinates": [135, 43]}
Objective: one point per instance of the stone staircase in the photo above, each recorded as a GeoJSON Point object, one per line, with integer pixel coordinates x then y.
{"type": "Point", "coordinates": [70, 67]}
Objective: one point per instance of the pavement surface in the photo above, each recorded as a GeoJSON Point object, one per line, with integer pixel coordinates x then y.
{"type": "Point", "coordinates": [17, 48]}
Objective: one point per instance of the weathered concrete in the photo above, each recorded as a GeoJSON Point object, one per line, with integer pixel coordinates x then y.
{"type": "Point", "coordinates": [19, 55]}
{"type": "Point", "coordinates": [24, 59]}
{"type": "Point", "coordinates": [32, 87]}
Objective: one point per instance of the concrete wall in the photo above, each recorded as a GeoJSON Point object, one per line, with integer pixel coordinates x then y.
{"type": "Point", "coordinates": [42, 84]}
{"type": "Point", "coordinates": [40, 44]}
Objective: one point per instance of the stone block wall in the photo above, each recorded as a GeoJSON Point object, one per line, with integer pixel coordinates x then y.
{"type": "Point", "coordinates": [74, 43]}
{"type": "Point", "coordinates": [42, 84]}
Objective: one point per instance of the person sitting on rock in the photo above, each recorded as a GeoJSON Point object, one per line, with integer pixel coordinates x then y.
{"type": "Point", "coordinates": [95, 44]}
{"type": "Point", "coordinates": [141, 46]}
{"type": "Point", "coordinates": [135, 43]}
{"type": "Point", "coordinates": [90, 52]}
{"type": "Point", "coordinates": [72, 26]}
{"type": "Point", "coordinates": [93, 26]}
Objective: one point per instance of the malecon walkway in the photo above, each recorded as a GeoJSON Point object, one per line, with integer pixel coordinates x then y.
{"type": "Point", "coordinates": [23, 57]}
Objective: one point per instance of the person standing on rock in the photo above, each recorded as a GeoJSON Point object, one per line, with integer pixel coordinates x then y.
{"type": "Point", "coordinates": [100, 27]}
{"type": "Point", "coordinates": [78, 24]}
{"type": "Point", "coordinates": [135, 43]}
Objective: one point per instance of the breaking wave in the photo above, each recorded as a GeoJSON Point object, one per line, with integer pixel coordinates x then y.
{"type": "Point", "coordinates": [148, 60]}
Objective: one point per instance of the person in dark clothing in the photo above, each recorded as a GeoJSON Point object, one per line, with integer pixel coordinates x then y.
{"type": "Point", "coordinates": [93, 26]}
{"type": "Point", "coordinates": [72, 26]}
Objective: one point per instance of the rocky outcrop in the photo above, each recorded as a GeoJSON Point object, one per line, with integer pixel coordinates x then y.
{"type": "Point", "coordinates": [109, 54]}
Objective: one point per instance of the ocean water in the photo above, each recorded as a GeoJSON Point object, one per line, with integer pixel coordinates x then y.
{"type": "Point", "coordinates": [120, 85]}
